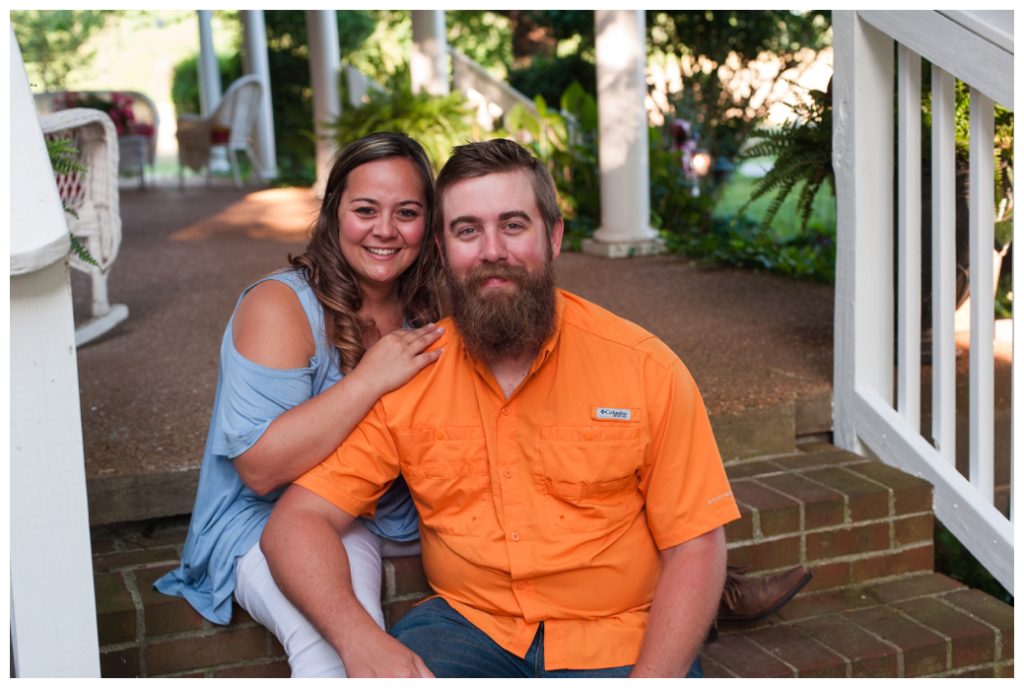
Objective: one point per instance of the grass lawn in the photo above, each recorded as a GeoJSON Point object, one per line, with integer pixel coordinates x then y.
{"type": "Point", "coordinates": [786, 223]}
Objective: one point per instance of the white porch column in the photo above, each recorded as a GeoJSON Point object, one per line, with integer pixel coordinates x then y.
{"type": "Point", "coordinates": [254, 31]}
{"type": "Point", "coordinates": [209, 83]}
{"type": "Point", "coordinates": [209, 74]}
{"type": "Point", "coordinates": [53, 609]}
{"type": "Point", "coordinates": [625, 193]}
{"type": "Point", "coordinates": [429, 53]}
{"type": "Point", "coordinates": [324, 65]}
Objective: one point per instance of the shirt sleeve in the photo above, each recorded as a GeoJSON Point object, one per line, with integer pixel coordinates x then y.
{"type": "Point", "coordinates": [251, 398]}
{"type": "Point", "coordinates": [685, 486]}
{"type": "Point", "coordinates": [361, 470]}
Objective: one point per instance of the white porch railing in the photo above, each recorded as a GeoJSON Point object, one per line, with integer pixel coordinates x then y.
{"type": "Point", "coordinates": [491, 97]}
{"type": "Point", "coordinates": [877, 356]}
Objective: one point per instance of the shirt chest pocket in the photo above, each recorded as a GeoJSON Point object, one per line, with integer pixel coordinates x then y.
{"type": "Point", "coordinates": [448, 477]}
{"type": "Point", "coordinates": [591, 474]}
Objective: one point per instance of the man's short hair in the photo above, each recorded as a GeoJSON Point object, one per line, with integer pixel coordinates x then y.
{"type": "Point", "coordinates": [481, 158]}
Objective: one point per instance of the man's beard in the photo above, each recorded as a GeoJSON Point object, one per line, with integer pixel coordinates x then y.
{"type": "Point", "coordinates": [497, 325]}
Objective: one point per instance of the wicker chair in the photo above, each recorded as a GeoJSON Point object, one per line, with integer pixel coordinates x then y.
{"type": "Point", "coordinates": [230, 125]}
{"type": "Point", "coordinates": [136, 152]}
{"type": "Point", "coordinates": [92, 196]}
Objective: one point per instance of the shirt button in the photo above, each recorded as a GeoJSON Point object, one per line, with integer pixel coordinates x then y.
{"type": "Point", "coordinates": [520, 585]}
{"type": "Point", "coordinates": [514, 536]}
{"type": "Point", "coordinates": [505, 411]}
{"type": "Point", "coordinates": [588, 433]}
{"type": "Point", "coordinates": [439, 434]}
{"type": "Point", "coordinates": [507, 472]}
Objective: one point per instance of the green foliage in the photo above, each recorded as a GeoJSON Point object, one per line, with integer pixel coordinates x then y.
{"type": "Point", "coordinates": [437, 122]}
{"type": "Point", "coordinates": [716, 33]}
{"type": "Point", "coordinates": [64, 160]}
{"type": "Point", "coordinates": [1002, 146]}
{"type": "Point", "coordinates": [957, 562]}
{"type": "Point", "coordinates": [748, 244]}
{"type": "Point", "coordinates": [567, 25]}
{"type": "Point", "coordinates": [185, 80]}
{"type": "Point", "coordinates": [483, 37]}
{"type": "Point", "coordinates": [549, 77]}
{"type": "Point", "coordinates": [802, 152]}
{"type": "Point", "coordinates": [675, 207]}
{"type": "Point", "coordinates": [63, 156]}
{"type": "Point", "coordinates": [1004, 294]}
{"type": "Point", "coordinates": [53, 42]}
{"type": "Point", "coordinates": [287, 44]}
{"type": "Point", "coordinates": [386, 48]}
{"type": "Point", "coordinates": [721, 120]}
{"type": "Point", "coordinates": [566, 141]}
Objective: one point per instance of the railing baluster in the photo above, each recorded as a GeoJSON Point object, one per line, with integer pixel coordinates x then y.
{"type": "Point", "coordinates": [908, 386]}
{"type": "Point", "coordinates": [943, 265]}
{"type": "Point", "coordinates": [982, 395]}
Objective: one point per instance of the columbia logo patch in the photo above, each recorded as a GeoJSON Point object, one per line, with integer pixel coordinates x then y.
{"type": "Point", "coordinates": [605, 413]}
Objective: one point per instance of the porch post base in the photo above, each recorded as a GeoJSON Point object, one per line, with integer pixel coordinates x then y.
{"type": "Point", "coordinates": [625, 249]}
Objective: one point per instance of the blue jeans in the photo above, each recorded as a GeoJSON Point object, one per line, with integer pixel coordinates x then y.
{"type": "Point", "coordinates": [452, 647]}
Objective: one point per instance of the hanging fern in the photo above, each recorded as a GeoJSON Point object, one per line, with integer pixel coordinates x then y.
{"type": "Point", "coordinates": [64, 160]}
{"type": "Point", "coordinates": [802, 150]}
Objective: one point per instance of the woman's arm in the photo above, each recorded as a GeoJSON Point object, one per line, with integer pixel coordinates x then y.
{"type": "Point", "coordinates": [270, 328]}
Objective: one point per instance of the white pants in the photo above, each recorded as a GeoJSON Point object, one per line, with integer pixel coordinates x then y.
{"type": "Point", "coordinates": [309, 655]}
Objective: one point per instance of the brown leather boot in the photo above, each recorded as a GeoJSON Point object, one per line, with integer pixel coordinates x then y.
{"type": "Point", "coordinates": [749, 598]}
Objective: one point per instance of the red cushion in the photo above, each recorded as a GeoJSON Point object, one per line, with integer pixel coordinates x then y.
{"type": "Point", "coordinates": [220, 135]}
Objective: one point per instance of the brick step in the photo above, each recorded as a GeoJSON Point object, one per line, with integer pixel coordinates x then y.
{"type": "Point", "coordinates": [848, 518]}
{"type": "Point", "coordinates": [918, 625]}
{"type": "Point", "coordinates": [854, 521]}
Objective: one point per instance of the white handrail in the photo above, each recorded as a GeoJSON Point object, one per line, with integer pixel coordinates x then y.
{"type": "Point", "coordinates": [970, 47]}
{"type": "Point", "coordinates": [491, 97]}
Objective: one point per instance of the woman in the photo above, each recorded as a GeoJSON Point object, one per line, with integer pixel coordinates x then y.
{"type": "Point", "coordinates": [306, 354]}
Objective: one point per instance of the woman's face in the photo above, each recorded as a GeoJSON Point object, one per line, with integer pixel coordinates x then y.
{"type": "Point", "coordinates": [382, 218]}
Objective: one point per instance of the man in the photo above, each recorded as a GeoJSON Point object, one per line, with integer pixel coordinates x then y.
{"type": "Point", "coordinates": [571, 493]}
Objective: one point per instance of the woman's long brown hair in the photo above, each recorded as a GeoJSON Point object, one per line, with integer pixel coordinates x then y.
{"type": "Point", "coordinates": [330, 275]}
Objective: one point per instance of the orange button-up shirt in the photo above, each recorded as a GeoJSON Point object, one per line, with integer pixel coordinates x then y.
{"type": "Point", "coordinates": [552, 504]}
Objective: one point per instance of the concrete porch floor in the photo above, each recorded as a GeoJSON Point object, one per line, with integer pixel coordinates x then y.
{"type": "Point", "coordinates": [754, 342]}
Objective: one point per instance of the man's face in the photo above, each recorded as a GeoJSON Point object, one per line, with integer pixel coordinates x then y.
{"type": "Point", "coordinates": [498, 258]}
{"type": "Point", "coordinates": [492, 220]}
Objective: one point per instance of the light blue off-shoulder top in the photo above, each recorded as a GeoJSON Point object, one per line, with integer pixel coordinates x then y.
{"type": "Point", "coordinates": [228, 517]}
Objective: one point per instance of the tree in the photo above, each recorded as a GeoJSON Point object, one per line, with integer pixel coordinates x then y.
{"type": "Point", "coordinates": [722, 43]}
{"type": "Point", "coordinates": [53, 42]}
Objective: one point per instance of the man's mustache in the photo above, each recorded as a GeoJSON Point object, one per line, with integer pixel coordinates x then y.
{"type": "Point", "coordinates": [476, 277]}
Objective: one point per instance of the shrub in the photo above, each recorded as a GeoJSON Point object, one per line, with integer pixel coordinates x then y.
{"type": "Point", "coordinates": [185, 82]}
{"type": "Point", "coordinates": [566, 141]}
{"type": "Point", "coordinates": [802, 150]}
{"type": "Point", "coordinates": [438, 122]}
{"type": "Point", "coordinates": [550, 77]}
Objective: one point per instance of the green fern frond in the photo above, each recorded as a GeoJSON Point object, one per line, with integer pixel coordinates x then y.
{"type": "Point", "coordinates": [64, 156]}
{"type": "Point", "coordinates": [64, 160]}
{"type": "Point", "coordinates": [81, 251]}
{"type": "Point", "coordinates": [802, 150]}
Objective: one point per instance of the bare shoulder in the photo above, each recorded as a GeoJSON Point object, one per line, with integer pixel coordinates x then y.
{"type": "Point", "coordinates": [270, 327]}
